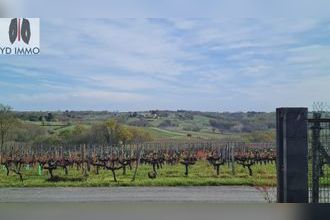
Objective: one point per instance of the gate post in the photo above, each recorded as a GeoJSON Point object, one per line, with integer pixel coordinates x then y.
{"type": "Point", "coordinates": [292, 155]}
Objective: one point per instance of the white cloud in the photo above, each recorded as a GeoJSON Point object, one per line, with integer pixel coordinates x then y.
{"type": "Point", "coordinates": [173, 63]}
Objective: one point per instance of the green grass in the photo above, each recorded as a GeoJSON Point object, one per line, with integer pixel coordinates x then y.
{"type": "Point", "coordinates": [201, 174]}
{"type": "Point", "coordinates": [158, 133]}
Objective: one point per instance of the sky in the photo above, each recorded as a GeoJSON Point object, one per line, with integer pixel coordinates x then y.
{"type": "Point", "coordinates": [206, 64]}
{"type": "Point", "coordinates": [169, 8]}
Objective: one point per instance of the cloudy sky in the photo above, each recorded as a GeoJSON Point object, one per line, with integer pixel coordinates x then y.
{"type": "Point", "coordinates": [196, 64]}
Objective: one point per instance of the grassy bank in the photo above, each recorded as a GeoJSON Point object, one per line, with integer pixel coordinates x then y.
{"type": "Point", "coordinates": [201, 174]}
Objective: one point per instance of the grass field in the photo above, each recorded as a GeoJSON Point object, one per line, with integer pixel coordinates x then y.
{"type": "Point", "coordinates": [201, 174]}
{"type": "Point", "coordinates": [159, 133]}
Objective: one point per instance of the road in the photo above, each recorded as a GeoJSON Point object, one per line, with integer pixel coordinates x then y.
{"type": "Point", "coordinates": [138, 203]}
{"type": "Point", "coordinates": [214, 194]}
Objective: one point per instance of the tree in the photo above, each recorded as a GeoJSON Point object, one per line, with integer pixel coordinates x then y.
{"type": "Point", "coordinates": [125, 135]}
{"type": "Point", "coordinates": [221, 125]}
{"type": "Point", "coordinates": [27, 133]}
{"type": "Point", "coordinates": [110, 133]}
{"type": "Point", "coordinates": [7, 122]}
{"type": "Point", "coordinates": [139, 135]}
{"type": "Point", "coordinates": [112, 128]}
{"type": "Point", "coordinates": [166, 123]}
{"type": "Point", "coordinates": [50, 117]}
{"type": "Point", "coordinates": [260, 136]}
{"type": "Point", "coordinates": [140, 123]}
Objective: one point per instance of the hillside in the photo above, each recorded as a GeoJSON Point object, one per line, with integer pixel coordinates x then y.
{"type": "Point", "coordinates": [238, 126]}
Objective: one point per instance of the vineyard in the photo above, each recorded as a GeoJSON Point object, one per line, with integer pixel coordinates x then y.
{"type": "Point", "coordinates": [153, 163]}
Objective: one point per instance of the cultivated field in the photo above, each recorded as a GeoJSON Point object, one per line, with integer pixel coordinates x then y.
{"type": "Point", "coordinates": [207, 163]}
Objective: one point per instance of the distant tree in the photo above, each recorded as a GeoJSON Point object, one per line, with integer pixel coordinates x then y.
{"type": "Point", "coordinates": [139, 135]}
{"type": "Point", "coordinates": [140, 123]}
{"type": "Point", "coordinates": [49, 117]}
{"type": "Point", "coordinates": [42, 120]}
{"type": "Point", "coordinates": [124, 135]}
{"type": "Point", "coordinates": [163, 114]}
{"type": "Point", "coordinates": [189, 116]}
{"type": "Point", "coordinates": [154, 112]}
{"type": "Point", "coordinates": [7, 122]}
{"type": "Point", "coordinates": [33, 118]}
{"type": "Point", "coordinates": [213, 123]}
{"type": "Point", "coordinates": [27, 133]}
{"type": "Point", "coordinates": [79, 129]}
{"type": "Point", "coordinates": [221, 125]}
{"type": "Point", "coordinates": [48, 140]}
{"type": "Point", "coordinates": [97, 134]}
{"type": "Point", "coordinates": [260, 136]}
{"type": "Point", "coordinates": [77, 135]}
{"type": "Point", "coordinates": [191, 128]}
{"type": "Point", "coordinates": [166, 123]}
{"type": "Point", "coordinates": [133, 115]}
{"type": "Point", "coordinates": [111, 134]}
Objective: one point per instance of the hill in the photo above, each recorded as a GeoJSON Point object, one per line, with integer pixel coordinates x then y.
{"type": "Point", "coordinates": [164, 124]}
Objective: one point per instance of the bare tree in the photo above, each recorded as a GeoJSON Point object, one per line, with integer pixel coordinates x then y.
{"type": "Point", "coordinates": [7, 121]}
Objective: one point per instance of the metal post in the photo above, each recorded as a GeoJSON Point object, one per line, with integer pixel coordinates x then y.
{"type": "Point", "coordinates": [316, 128]}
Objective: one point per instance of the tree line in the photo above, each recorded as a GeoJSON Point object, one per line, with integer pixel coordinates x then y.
{"type": "Point", "coordinates": [109, 132]}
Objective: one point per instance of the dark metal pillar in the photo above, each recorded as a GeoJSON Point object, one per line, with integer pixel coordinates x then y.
{"type": "Point", "coordinates": [292, 155]}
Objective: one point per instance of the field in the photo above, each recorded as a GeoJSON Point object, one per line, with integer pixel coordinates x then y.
{"type": "Point", "coordinates": [200, 174]}
{"type": "Point", "coordinates": [178, 137]}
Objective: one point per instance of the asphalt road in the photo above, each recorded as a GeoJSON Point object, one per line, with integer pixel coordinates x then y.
{"type": "Point", "coordinates": [216, 194]}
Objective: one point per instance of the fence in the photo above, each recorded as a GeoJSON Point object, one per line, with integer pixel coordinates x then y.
{"type": "Point", "coordinates": [303, 162]}
{"type": "Point", "coordinates": [319, 160]}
